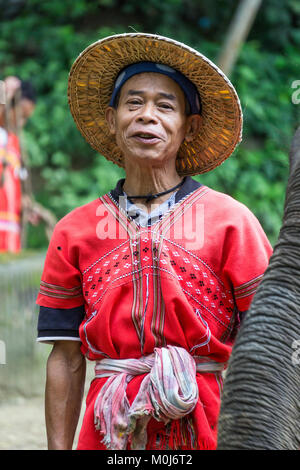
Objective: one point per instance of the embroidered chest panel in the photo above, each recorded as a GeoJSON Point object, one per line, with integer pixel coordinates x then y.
{"type": "Point", "coordinates": [144, 257]}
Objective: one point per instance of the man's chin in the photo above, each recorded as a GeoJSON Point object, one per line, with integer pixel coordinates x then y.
{"type": "Point", "coordinates": [147, 158]}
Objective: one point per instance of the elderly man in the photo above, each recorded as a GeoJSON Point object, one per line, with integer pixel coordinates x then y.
{"type": "Point", "coordinates": [149, 280]}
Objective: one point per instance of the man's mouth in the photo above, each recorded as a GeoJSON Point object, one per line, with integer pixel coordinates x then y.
{"type": "Point", "coordinates": [146, 137]}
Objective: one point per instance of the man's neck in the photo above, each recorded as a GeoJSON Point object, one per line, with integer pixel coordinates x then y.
{"type": "Point", "coordinates": [142, 180]}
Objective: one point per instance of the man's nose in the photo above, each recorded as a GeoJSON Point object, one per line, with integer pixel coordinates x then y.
{"type": "Point", "coordinates": [147, 113]}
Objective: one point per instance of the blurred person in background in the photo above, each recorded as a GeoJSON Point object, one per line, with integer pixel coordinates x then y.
{"type": "Point", "coordinates": [19, 105]}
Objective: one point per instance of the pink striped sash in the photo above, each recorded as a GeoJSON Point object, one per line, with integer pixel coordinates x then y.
{"type": "Point", "coordinates": [168, 392]}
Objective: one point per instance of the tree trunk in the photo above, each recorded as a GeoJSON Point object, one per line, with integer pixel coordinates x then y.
{"type": "Point", "coordinates": [238, 31]}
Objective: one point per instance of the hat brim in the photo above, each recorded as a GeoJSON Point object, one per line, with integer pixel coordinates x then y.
{"type": "Point", "coordinates": [91, 83]}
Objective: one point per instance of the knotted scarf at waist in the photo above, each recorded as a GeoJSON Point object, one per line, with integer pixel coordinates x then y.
{"type": "Point", "coordinates": [168, 392]}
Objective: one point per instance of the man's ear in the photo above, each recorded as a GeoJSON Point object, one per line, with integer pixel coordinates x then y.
{"type": "Point", "coordinates": [193, 126]}
{"type": "Point", "coordinates": [110, 116]}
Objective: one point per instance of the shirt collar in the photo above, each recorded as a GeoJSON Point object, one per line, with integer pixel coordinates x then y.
{"type": "Point", "coordinates": [189, 185]}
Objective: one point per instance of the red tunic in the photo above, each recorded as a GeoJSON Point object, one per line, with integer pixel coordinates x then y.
{"type": "Point", "coordinates": [179, 282]}
{"type": "Point", "coordinates": [10, 195]}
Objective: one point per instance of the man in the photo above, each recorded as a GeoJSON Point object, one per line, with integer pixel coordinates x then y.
{"type": "Point", "coordinates": [19, 106]}
{"type": "Point", "coordinates": [149, 280]}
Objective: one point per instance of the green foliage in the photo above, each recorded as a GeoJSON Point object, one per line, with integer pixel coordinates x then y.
{"type": "Point", "coordinates": [40, 40]}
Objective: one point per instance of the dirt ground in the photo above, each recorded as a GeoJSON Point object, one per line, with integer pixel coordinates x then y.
{"type": "Point", "coordinates": [22, 424]}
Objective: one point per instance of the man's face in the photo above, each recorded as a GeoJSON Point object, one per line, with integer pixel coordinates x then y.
{"type": "Point", "coordinates": [26, 108]}
{"type": "Point", "coordinates": [18, 115]}
{"type": "Point", "coordinates": [150, 121]}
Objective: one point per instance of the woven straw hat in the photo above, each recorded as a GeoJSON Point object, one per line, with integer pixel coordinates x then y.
{"type": "Point", "coordinates": [91, 83]}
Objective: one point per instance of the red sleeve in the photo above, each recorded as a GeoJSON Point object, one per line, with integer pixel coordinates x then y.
{"type": "Point", "coordinates": [247, 253]}
{"type": "Point", "coordinates": [60, 285]}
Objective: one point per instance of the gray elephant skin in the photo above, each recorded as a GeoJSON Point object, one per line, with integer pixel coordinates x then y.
{"type": "Point", "coordinates": [260, 407]}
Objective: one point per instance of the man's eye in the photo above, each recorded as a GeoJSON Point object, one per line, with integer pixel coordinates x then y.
{"type": "Point", "coordinates": [134, 102]}
{"type": "Point", "coordinates": [165, 106]}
